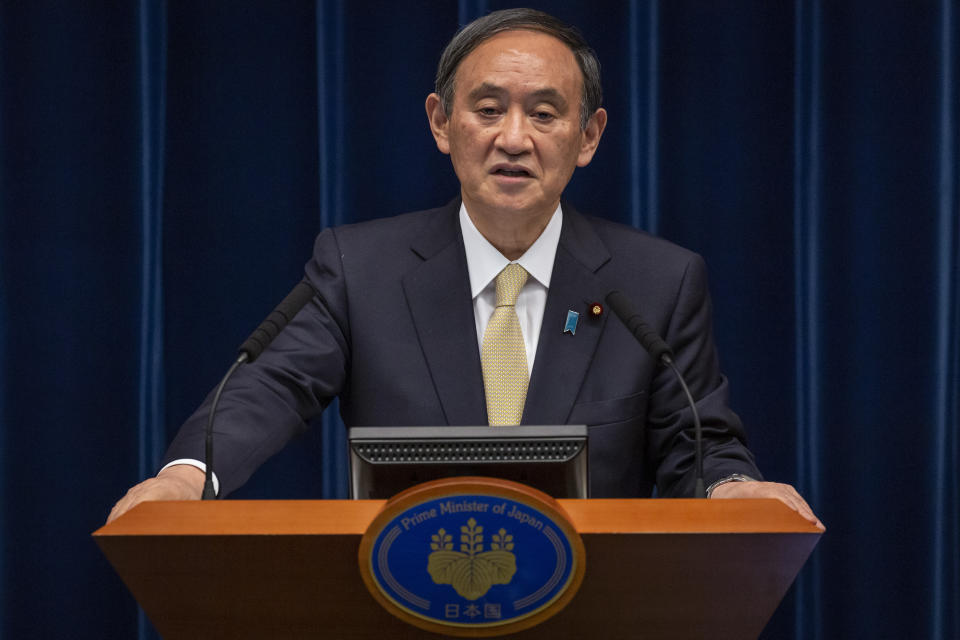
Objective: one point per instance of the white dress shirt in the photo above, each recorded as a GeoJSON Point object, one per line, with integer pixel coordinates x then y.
{"type": "Point", "coordinates": [485, 262]}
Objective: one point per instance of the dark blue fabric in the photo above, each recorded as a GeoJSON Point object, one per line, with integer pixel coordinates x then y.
{"type": "Point", "coordinates": [164, 168]}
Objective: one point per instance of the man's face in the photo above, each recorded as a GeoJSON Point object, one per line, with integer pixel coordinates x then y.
{"type": "Point", "coordinates": [513, 131]}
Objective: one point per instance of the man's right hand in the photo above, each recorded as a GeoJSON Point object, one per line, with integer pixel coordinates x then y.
{"type": "Point", "coordinates": [179, 482]}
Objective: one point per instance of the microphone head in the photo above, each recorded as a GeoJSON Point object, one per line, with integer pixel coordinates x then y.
{"type": "Point", "coordinates": [650, 339]}
{"type": "Point", "coordinates": [261, 338]}
{"type": "Point", "coordinates": [620, 304]}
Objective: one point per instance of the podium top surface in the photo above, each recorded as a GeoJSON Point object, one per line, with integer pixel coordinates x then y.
{"type": "Point", "coordinates": [351, 517]}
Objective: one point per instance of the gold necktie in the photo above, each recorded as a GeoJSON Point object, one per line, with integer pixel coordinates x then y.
{"type": "Point", "coordinates": [503, 355]}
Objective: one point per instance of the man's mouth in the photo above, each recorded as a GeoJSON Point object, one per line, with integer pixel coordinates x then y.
{"type": "Point", "coordinates": [512, 173]}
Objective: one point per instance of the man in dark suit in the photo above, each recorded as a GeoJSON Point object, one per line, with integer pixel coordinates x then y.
{"type": "Point", "coordinates": [461, 315]}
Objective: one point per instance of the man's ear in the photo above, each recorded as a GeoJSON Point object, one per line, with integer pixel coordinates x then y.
{"type": "Point", "coordinates": [591, 137]}
{"type": "Point", "coordinates": [438, 122]}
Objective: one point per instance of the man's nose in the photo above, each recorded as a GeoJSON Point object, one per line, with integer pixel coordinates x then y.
{"type": "Point", "coordinates": [514, 137]}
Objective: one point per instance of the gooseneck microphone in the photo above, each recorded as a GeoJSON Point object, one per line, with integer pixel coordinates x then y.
{"type": "Point", "coordinates": [661, 352]}
{"type": "Point", "coordinates": [250, 350]}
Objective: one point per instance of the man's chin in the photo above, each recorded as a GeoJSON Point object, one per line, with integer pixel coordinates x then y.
{"type": "Point", "coordinates": [507, 203]}
{"type": "Point", "coordinates": [513, 209]}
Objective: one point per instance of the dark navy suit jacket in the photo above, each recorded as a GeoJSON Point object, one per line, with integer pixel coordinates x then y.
{"type": "Point", "coordinates": [391, 332]}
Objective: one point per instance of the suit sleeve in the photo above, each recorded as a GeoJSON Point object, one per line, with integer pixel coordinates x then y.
{"type": "Point", "coordinates": [671, 433]}
{"type": "Point", "coordinates": [268, 402]}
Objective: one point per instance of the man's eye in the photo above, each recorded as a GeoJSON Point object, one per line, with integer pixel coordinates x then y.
{"type": "Point", "coordinates": [487, 111]}
{"type": "Point", "coordinates": [543, 116]}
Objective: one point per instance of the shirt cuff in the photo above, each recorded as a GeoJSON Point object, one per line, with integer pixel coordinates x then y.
{"type": "Point", "coordinates": [202, 467]}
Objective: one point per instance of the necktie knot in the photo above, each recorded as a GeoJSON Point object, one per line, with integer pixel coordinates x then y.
{"type": "Point", "coordinates": [509, 283]}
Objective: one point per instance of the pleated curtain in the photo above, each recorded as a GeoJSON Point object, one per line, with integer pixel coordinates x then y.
{"type": "Point", "coordinates": [164, 167]}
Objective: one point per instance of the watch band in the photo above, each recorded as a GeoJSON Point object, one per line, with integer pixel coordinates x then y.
{"type": "Point", "coordinates": [736, 477]}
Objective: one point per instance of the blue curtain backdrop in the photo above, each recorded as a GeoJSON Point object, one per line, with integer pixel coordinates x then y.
{"type": "Point", "coordinates": [164, 167]}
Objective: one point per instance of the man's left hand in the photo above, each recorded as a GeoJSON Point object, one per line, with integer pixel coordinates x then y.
{"type": "Point", "coordinates": [782, 492]}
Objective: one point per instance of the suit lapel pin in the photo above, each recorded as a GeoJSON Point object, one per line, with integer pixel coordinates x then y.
{"type": "Point", "coordinates": [571, 325]}
{"type": "Point", "coordinates": [596, 309]}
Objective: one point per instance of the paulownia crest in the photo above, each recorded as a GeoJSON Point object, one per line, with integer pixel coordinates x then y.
{"type": "Point", "coordinates": [471, 571]}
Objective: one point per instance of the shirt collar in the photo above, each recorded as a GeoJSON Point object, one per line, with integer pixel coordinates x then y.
{"type": "Point", "coordinates": [484, 261]}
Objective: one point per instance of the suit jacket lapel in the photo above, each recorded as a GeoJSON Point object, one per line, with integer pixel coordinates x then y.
{"type": "Point", "coordinates": [438, 294]}
{"type": "Point", "coordinates": [563, 359]}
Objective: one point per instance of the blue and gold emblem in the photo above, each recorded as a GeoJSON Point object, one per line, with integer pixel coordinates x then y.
{"type": "Point", "coordinates": [470, 557]}
{"type": "Point", "coordinates": [472, 571]}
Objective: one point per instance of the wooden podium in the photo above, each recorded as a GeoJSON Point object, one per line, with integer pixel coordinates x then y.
{"type": "Point", "coordinates": [288, 569]}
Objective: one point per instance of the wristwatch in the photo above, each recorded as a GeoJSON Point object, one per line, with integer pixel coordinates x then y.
{"type": "Point", "coordinates": [736, 477]}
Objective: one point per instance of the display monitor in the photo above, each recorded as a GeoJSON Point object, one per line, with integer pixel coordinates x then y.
{"type": "Point", "coordinates": [387, 460]}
